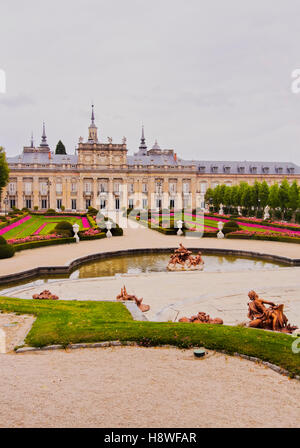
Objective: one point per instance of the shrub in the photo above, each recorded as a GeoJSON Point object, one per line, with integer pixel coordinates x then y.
{"type": "Point", "coordinates": [117, 231]}
{"type": "Point", "coordinates": [230, 226]}
{"type": "Point", "coordinates": [92, 210]}
{"type": "Point", "coordinates": [2, 240]}
{"type": "Point", "coordinates": [6, 251]}
{"type": "Point", "coordinates": [64, 228]}
{"type": "Point", "coordinates": [51, 211]}
{"type": "Point", "coordinates": [35, 208]}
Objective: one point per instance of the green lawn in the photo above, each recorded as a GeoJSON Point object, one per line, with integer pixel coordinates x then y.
{"type": "Point", "coordinates": [67, 322]}
{"type": "Point", "coordinates": [35, 222]}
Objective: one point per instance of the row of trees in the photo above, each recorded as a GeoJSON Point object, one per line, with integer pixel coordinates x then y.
{"type": "Point", "coordinates": [283, 198]}
{"type": "Point", "coordinates": [4, 171]}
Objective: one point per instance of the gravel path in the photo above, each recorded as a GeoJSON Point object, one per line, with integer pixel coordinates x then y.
{"type": "Point", "coordinates": [143, 387]}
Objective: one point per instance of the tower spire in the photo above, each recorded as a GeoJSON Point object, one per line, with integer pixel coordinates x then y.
{"type": "Point", "coordinates": [93, 128]}
{"type": "Point", "coordinates": [93, 115]}
{"type": "Point", "coordinates": [143, 146]}
{"type": "Point", "coordinates": [31, 141]}
{"type": "Point", "coordinates": [44, 137]}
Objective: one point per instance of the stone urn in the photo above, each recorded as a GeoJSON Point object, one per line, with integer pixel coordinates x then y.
{"type": "Point", "coordinates": [76, 230]}
{"type": "Point", "coordinates": [108, 226]}
{"type": "Point", "coordinates": [220, 234]}
{"type": "Point", "coordinates": [179, 226]}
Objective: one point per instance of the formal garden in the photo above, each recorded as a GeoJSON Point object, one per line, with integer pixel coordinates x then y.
{"type": "Point", "coordinates": [23, 229]}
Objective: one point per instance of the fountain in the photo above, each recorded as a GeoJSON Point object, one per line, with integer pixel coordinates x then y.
{"type": "Point", "coordinates": [182, 260]}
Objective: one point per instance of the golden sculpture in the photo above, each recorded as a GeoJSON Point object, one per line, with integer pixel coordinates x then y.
{"type": "Point", "coordinates": [271, 318]}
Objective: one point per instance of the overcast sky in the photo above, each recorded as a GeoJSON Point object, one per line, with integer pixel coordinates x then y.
{"type": "Point", "coordinates": [211, 79]}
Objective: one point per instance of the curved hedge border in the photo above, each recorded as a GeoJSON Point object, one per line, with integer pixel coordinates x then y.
{"type": "Point", "coordinates": [281, 239]}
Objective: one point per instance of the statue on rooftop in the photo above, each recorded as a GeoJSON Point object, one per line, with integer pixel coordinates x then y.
{"type": "Point", "coordinates": [268, 318]}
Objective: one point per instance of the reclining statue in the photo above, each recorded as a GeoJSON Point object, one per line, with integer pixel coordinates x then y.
{"type": "Point", "coordinates": [202, 318]}
{"type": "Point", "coordinates": [182, 259]}
{"type": "Point", "coordinates": [271, 318]}
{"type": "Point", "coordinates": [125, 296]}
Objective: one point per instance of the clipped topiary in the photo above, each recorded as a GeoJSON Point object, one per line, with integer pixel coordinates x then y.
{"type": "Point", "coordinates": [230, 226]}
{"type": "Point", "coordinates": [92, 211]}
{"type": "Point", "coordinates": [6, 250]}
{"type": "Point", "coordinates": [51, 211]}
{"type": "Point", "coordinates": [64, 228]}
{"type": "Point", "coordinates": [2, 240]}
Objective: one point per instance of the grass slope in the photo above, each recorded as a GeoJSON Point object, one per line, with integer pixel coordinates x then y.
{"type": "Point", "coordinates": [67, 322]}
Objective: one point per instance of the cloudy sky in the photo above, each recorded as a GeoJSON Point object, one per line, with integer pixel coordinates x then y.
{"type": "Point", "coordinates": [211, 79]}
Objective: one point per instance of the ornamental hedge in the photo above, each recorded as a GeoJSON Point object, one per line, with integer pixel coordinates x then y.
{"type": "Point", "coordinates": [6, 250]}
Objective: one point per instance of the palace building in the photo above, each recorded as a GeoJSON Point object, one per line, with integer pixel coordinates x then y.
{"type": "Point", "coordinates": [104, 176]}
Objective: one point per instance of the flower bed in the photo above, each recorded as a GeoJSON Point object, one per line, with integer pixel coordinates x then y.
{"type": "Point", "coordinates": [29, 239]}
{"type": "Point", "coordinates": [267, 236]}
{"type": "Point", "coordinates": [16, 223]}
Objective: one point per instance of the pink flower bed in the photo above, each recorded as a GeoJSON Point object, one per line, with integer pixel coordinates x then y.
{"type": "Point", "coordinates": [268, 233]}
{"type": "Point", "coordinates": [40, 228]}
{"type": "Point", "coordinates": [15, 224]}
{"type": "Point", "coordinates": [268, 228]}
{"type": "Point", "coordinates": [91, 232]}
{"type": "Point", "coordinates": [28, 239]}
{"type": "Point", "coordinates": [85, 223]}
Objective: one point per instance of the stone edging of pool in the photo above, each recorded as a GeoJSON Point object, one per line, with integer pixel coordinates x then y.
{"type": "Point", "coordinates": [68, 267]}
{"type": "Point", "coordinates": [135, 344]}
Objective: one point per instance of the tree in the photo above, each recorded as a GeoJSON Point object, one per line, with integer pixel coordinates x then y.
{"type": "Point", "coordinates": [274, 196]}
{"type": "Point", "coordinates": [235, 195]}
{"type": "Point", "coordinates": [209, 195]}
{"type": "Point", "coordinates": [255, 193]}
{"type": "Point", "coordinates": [60, 148]}
{"type": "Point", "coordinates": [264, 194]}
{"type": "Point", "coordinates": [4, 171]}
{"type": "Point", "coordinates": [283, 195]}
{"type": "Point", "coordinates": [227, 196]}
{"type": "Point", "coordinates": [246, 199]}
{"type": "Point", "coordinates": [294, 198]}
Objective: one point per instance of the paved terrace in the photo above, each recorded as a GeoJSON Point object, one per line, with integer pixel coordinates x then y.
{"type": "Point", "coordinates": [135, 237]}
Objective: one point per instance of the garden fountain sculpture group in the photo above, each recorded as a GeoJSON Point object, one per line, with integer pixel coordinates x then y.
{"type": "Point", "coordinates": [183, 260]}
{"type": "Point", "coordinates": [267, 318]}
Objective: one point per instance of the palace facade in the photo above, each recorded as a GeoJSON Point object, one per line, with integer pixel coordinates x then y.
{"type": "Point", "coordinates": [104, 176]}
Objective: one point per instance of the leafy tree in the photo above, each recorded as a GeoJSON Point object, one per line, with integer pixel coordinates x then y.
{"type": "Point", "coordinates": [235, 196]}
{"type": "Point", "coordinates": [246, 198]}
{"type": "Point", "coordinates": [60, 148]}
{"type": "Point", "coordinates": [209, 195]}
{"type": "Point", "coordinates": [283, 195]}
{"type": "Point", "coordinates": [255, 193]}
{"type": "Point", "coordinates": [4, 171]}
{"type": "Point", "coordinates": [294, 196]}
{"type": "Point", "coordinates": [264, 192]}
{"type": "Point", "coordinates": [227, 196]}
{"type": "Point", "coordinates": [274, 196]}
